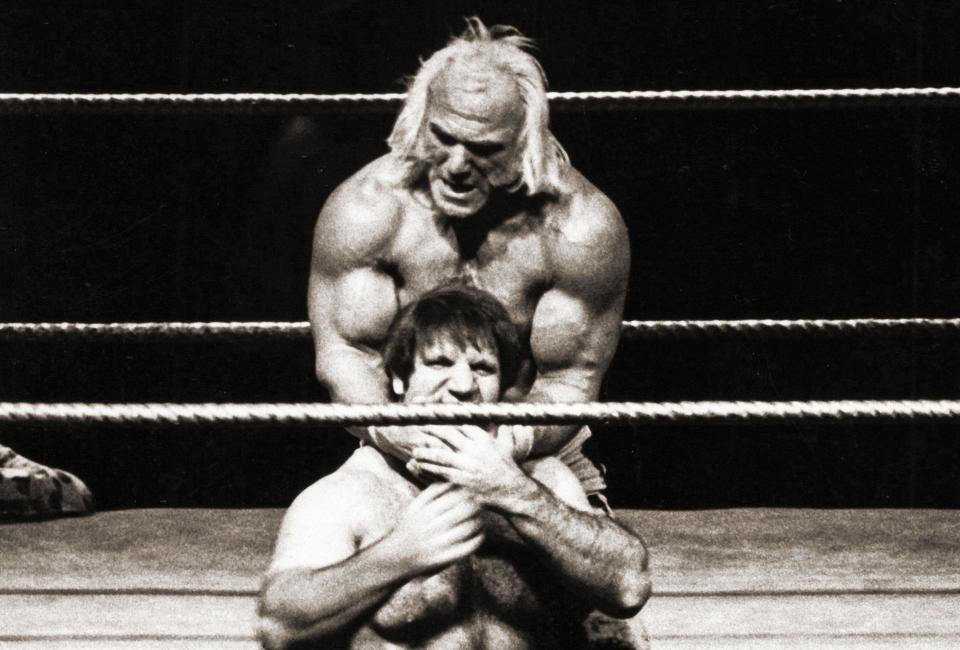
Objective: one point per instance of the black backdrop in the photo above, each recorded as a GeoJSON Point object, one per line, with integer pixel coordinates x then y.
{"type": "Point", "coordinates": [814, 212]}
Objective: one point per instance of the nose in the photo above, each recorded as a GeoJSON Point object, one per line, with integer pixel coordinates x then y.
{"type": "Point", "coordinates": [461, 383]}
{"type": "Point", "coordinates": [458, 163]}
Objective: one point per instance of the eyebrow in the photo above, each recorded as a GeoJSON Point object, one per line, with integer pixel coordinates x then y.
{"type": "Point", "coordinates": [487, 144]}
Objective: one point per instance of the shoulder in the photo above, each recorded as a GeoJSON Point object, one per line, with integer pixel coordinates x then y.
{"type": "Point", "coordinates": [363, 213]}
{"type": "Point", "coordinates": [323, 525]}
{"type": "Point", "coordinates": [362, 475]}
{"type": "Point", "coordinates": [588, 239]}
{"type": "Point", "coordinates": [365, 472]}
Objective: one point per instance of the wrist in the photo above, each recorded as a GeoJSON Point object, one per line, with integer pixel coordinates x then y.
{"type": "Point", "coordinates": [396, 556]}
{"type": "Point", "coordinates": [516, 492]}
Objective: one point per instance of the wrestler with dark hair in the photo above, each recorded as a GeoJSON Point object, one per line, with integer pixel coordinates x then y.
{"type": "Point", "coordinates": [475, 551]}
{"type": "Point", "coordinates": [458, 316]}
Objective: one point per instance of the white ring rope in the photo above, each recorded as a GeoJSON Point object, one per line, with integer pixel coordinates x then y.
{"type": "Point", "coordinates": [287, 102]}
{"type": "Point", "coordinates": [528, 413]}
{"type": "Point", "coordinates": [767, 326]}
{"type": "Point", "coordinates": [638, 329]}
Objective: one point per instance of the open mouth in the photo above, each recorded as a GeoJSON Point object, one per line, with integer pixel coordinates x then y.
{"type": "Point", "coordinates": [458, 191]}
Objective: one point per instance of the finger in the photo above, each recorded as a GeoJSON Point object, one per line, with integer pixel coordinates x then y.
{"type": "Point", "coordinates": [473, 432]}
{"type": "Point", "coordinates": [446, 506]}
{"type": "Point", "coordinates": [465, 548]}
{"type": "Point", "coordinates": [449, 435]}
{"type": "Point", "coordinates": [452, 540]}
{"type": "Point", "coordinates": [468, 527]}
{"type": "Point", "coordinates": [452, 526]}
{"type": "Point", "coordinates": [505, 445]}
{"type": "Point", "coordinates": [437, 456]}
{"type": "Point", "coordinates": [457, 535]}
{"type": "Point", "coordinates": [464, 511]}
{"type": "Point", "coordinates": [413, 467]}
{"type": "Point", "coordinates": [441, 471]}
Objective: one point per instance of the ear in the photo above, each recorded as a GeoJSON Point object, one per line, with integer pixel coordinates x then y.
{"type": "Point", "coordinates": [397, 384]}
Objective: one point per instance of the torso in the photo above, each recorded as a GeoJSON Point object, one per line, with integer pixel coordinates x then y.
{"type": "Point", "coordinates": [510, 257]}
{"type": "Point", "coordinates": [497, 598]}
{"type": "Point", "coordinates": [510, 260]}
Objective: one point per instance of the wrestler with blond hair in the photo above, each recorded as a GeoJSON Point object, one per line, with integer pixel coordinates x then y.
{"type": "Point", "coordinates": [477, 191]}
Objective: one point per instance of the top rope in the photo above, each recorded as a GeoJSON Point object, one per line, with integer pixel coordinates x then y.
{"type": "Point", "coordinates": [632, 329]}
{"type": "Point", "coordinates": [385, 102]}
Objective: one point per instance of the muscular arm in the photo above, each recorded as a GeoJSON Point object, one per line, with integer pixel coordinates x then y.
{"type": "Point", "coordinates": [576, 325]}
{"type": "Point", "coordinates": [308, 603]}
{"type": "Point", "coordinates": [602, 562]}
{"type": "Point", "coordinates": [351, 301]}
{"type": "Point", "coordinates": [590, 552]}
{"type": "Point", "coordinates": [320, 585]}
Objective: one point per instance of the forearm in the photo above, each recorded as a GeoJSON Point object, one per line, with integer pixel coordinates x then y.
{"type": "Point", "coordinates": [353, 376]}
{"type": "Point", "coordinates": [306, 603]}
{"type": "Point", "coordinates": [591, 553]}
{"type": "Point", "coordinates": [549, 439]}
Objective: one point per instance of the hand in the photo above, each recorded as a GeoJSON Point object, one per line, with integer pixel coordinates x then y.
{"type": "Point", "coordinates": [400, 441]}
{"type": "Point", "coordinates": [471, 458]}
{"type": "Point", "coordinates": [440, 526]}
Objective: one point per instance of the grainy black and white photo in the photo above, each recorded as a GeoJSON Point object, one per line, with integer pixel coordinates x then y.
{"type": "Point", "coordinates": [481, 325]}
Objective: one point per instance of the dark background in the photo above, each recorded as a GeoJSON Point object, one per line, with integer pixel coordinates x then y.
{"type": "Point", "coordinates": [734, 212]}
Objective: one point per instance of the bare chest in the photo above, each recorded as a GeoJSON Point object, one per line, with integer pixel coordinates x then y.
{"type": "Point", "coordinates": [500, 585]}
{"type": "Point", "coordinates": [510, 262]}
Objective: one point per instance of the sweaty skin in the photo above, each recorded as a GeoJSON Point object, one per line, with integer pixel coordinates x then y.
{"type": "Point", "coordinates": [366, 558]}
{"type": "Point", "coordinates": [559, 264]}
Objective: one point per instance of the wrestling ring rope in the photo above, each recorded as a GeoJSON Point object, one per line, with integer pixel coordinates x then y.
{"type": "Point", "coordinates": [346, 414]}
{"type": "Point", "coordinates": [499, 413]}
{"type": "Point", "coordinates": [350, 102]}
{"type": "Point", "coordinates": [592, 412]}
{"type": "Point", "coordinates": [634, 329]}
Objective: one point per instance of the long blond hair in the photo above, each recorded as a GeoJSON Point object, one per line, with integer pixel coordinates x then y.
{"type": "Point", "coordinates": [542, 158]}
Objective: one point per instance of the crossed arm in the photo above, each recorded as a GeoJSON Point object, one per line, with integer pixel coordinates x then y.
{"type": "Point", "coordinates": [601, 562]}
{"type": "Point", "coordinates": [323, 582]}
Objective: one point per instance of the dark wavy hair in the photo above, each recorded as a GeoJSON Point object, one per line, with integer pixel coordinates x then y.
{"type": "Point", "coordinates": [467, 316]}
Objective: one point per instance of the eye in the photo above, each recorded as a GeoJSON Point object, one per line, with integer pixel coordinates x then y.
{"type": "Point", "coordinates": [439, 361]}
{"type": "Point", "coordinates": [444, 137]}
{"type": "Point", "coordinates": [485, 149]}
{"type": "Point", "coordinates": [484, 368]}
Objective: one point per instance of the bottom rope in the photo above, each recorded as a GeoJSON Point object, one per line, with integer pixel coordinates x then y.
{"type": "Point", "coordinates": [499, 413]}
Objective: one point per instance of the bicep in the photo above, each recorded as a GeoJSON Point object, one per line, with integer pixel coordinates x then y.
{"type": "Point", "coordinates": [353, 306]}
{"type": "Point", "coordinates": [350, 300]}
{"type": "Point", "coordinates": [576, 325]}
{"type": "Point", "coordinates": [574, 336]}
